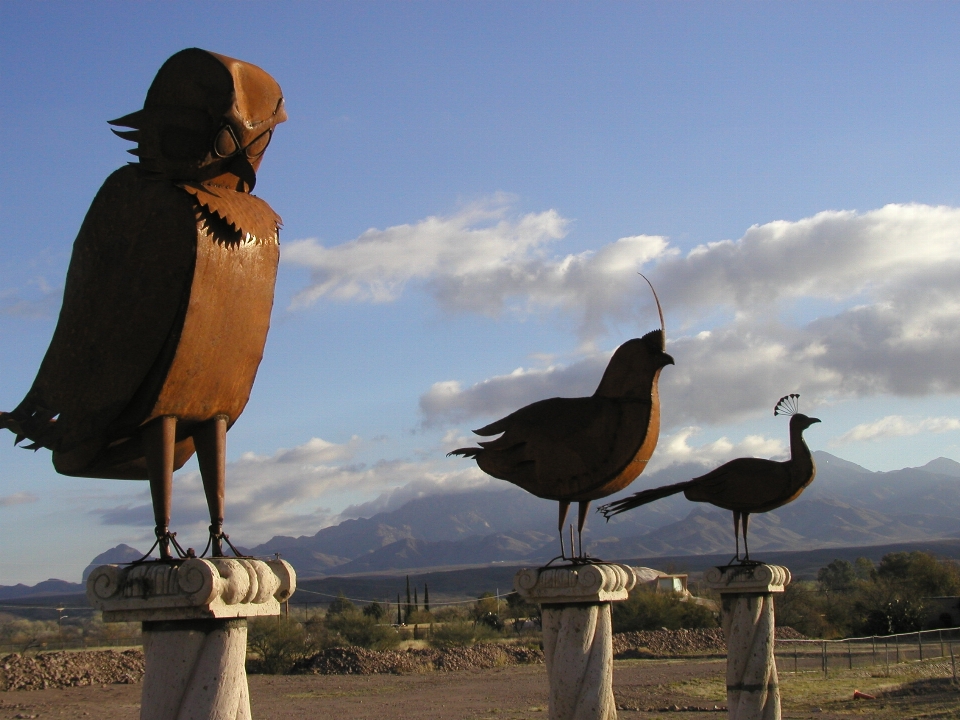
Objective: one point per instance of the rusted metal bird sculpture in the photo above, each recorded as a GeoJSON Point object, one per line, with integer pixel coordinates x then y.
{"type": "Point", "coordinates": [582, 449]}
{"type": "Point", "coordinates": [744, 485]}
{"type": "Point", "coordinates": [168, 294]}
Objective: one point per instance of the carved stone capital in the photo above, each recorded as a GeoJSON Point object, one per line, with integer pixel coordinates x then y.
{"type": "Point", "coordinates": [599, 583]}
{"type": "Point", "coordinates": [747, 579]}
{"type": "Point", "coordinates": [192, 590]}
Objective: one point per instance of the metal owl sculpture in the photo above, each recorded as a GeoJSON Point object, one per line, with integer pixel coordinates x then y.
{"type": "Point", "coordinates": [168, 294]}
{"type": "Point", "coordinates": [583, 449]}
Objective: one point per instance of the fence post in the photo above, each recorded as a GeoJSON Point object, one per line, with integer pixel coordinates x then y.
{"type": "Point", "coordinates": [874, 641]}
{"type": "Point", "coordinates": [953, 662]}
{"type": "Point", "coordinates": [850, 655]}
{"type": "Point", "coordinates": [823, 656]}
{"type": "Point", "coordinates": [886, 655]}
{"type": "Point", "coordinates": [940, 633]}
{"type": "Point", "coordinates": [795, 658]}
{"type": "Point", "coordinates": [896, 641]}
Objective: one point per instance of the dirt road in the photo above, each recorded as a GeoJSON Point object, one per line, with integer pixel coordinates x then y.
{"type": "Point", "coordinates": [511, 692]}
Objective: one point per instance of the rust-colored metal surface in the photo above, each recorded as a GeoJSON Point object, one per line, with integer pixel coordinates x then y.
{"type": "Point", "coordinates": [169, 291]}
{"type": "Point", "coordinates": [582, 449]}
{"type": "Point", "coordinates": [744, 485]}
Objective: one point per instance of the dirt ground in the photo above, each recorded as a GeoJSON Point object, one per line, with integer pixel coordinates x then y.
{"type": "Point", "coordinates": [643, 688]}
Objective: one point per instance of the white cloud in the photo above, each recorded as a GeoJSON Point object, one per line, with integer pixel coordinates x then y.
{"type": "Point", "coordinates": [482, 259]}
{"type": "Point", "coordinates": [288, 492]}
{"type": "Point", "coordinates": [449, 402]}
{"type": "Point", "coordinates": [838, 305]}
{"type": "Point", "coordinates": [20, 498]}
{"type": "Point", "coordinates": [896, 426]}
{"type": "Point", "coordinates": [676, 448]}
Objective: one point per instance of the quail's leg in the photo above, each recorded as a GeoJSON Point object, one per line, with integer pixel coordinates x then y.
{"type": "Point", "coordinates": [746, 550]}
{"type": "Point", "coordinates": [210, 440]}
{"type": "Point", "coordinates": [159, 438]}
{"type": "Point", "coordinates": [736, 532]}
{"type": "Point", "coordinates": [564, 509]}
{"type": "Point", "coordinates": [584, 509]}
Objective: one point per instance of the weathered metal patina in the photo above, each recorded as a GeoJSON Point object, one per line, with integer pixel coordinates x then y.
{"type": "Point", "coordinates": [169, 291]}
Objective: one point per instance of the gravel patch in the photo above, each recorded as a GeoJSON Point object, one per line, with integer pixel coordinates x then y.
{"type": "Point", "coordinates": [664, 643]}
{"type": "Point", "coordinates": [358, 661]}
{"type": "Point", "coordinates": [70, 669]}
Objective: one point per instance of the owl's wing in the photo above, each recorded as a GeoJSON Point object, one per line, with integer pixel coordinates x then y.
{"type": "Point", "coordinates": [564, 447]}
{"type": "Point", "coordinates": [124, 300]}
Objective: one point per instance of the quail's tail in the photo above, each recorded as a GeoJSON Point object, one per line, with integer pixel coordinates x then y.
{"type": "Point", "coordinates": [642, 498]}
{"type": "Point", "coordinates": [467, 452]}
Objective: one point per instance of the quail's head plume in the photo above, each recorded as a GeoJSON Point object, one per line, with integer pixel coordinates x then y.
{"type": "Point", "coordinates": [582, 449]}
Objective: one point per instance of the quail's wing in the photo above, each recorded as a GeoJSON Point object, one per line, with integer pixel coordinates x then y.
{"type": "Point", "coordinates": [123, 305]}
{"type": "Point", "coordinates": [562, 447]}
{"type": "Point", "coordinates": [740, 484]}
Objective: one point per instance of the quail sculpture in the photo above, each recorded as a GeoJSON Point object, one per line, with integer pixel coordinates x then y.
{"type": "Point", "coordinates": [168, 294]}
{"type": "Point", "coordinates": [582, 449]}
{"type": "Point", "coordinates": [744, 485]}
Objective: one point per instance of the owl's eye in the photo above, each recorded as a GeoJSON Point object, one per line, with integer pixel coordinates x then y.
{"type": "Point", "coordinates": [256, 148]}
{"type": "Point", "coordinates": [225, 144]}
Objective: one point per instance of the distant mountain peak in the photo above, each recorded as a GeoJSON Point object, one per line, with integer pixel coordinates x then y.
{"type": "Point", "coordinates": [826, 460]}
{"type": "Point", "coordinates": [943, 466]}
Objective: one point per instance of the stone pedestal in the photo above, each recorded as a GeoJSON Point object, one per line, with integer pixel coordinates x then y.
{"type": "Point", "coordinates": [577, 634]}
{"type": "Point", "coordinates": [746, 592]}
{"type": "Point", "coordinates": [194, 628]}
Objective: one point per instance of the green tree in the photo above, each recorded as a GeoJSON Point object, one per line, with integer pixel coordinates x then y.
{"type": "Point", "coordinates": [838, 576]}
{"type": "Point", "coordinates": [646, 609]}
{"type": "Point", "coordinates": [340, 606]}
{"type": "Point", "coordinates": [375, 610]}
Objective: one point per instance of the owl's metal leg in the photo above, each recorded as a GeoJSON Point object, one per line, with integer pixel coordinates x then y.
{"type": "Point", "coordinates": [159, 438]}
{"type": "Point", "coordinates": [564, 509]}
{"type": "Point", "coordinates": [210, 440]}
{"type": "Point", "coordinates": [584, 509]}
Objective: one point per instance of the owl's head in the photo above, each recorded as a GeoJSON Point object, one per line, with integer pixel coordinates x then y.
{"type": "Point", "coordinates": [207, 118]}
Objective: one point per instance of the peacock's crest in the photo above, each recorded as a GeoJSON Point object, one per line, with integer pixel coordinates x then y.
{"type": "Point", "coordinates": [787, 405]}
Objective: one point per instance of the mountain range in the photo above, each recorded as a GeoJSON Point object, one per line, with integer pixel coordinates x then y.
{"type": "Point", "coordinates": [846, 506]}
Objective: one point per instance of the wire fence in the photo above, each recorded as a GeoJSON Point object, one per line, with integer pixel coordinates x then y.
{"type": "Point", "coordinates": [799, 656]}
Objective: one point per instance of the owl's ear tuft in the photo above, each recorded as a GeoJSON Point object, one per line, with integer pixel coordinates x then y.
{"type": "Point", "coordinates": [133, 120]}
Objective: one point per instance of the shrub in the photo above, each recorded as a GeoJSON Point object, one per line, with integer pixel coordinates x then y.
{"type": "Point", "coordinates": [647, 609]}
{"type": "Point", "coordinates": [459, 633]}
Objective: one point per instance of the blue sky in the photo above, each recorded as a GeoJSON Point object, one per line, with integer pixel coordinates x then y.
{"type": "Point", "coordinates": [468, 191]}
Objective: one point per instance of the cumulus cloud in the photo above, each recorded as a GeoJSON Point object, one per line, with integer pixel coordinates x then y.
{"type": "Point", "coordinates": [286, 492]}
{"type": "Point", "coordinates": [448, 401]}
{"type": "Point", "coordinates": [838, 305]}
{"type": "Point", "coordinates": [676, 449]}
{"type": "Point", "coordinates": [896, 426]}
{"type": "Point", "coordinates": [20, 498]}
{"type": "Point", "coordinates": [481, 259]}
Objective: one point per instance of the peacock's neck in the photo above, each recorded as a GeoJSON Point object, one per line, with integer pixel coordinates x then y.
{"type": "Point", "coordinates": [801, 459]}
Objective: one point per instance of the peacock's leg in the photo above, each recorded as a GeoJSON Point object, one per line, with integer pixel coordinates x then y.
{"type": "Point", "coordinates": [564, 509]}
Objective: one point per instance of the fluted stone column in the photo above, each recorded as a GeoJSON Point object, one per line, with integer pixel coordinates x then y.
{"type": "Point", "coordinates": [577, 634]}
{"type": "Point", "coordinates": [746, 592]}
{"type": "Point", "coordinates": [194, 628]}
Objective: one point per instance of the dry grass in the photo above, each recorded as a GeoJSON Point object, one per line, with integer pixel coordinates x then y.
{"type": "Point", "coordinates": [911, 690]}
